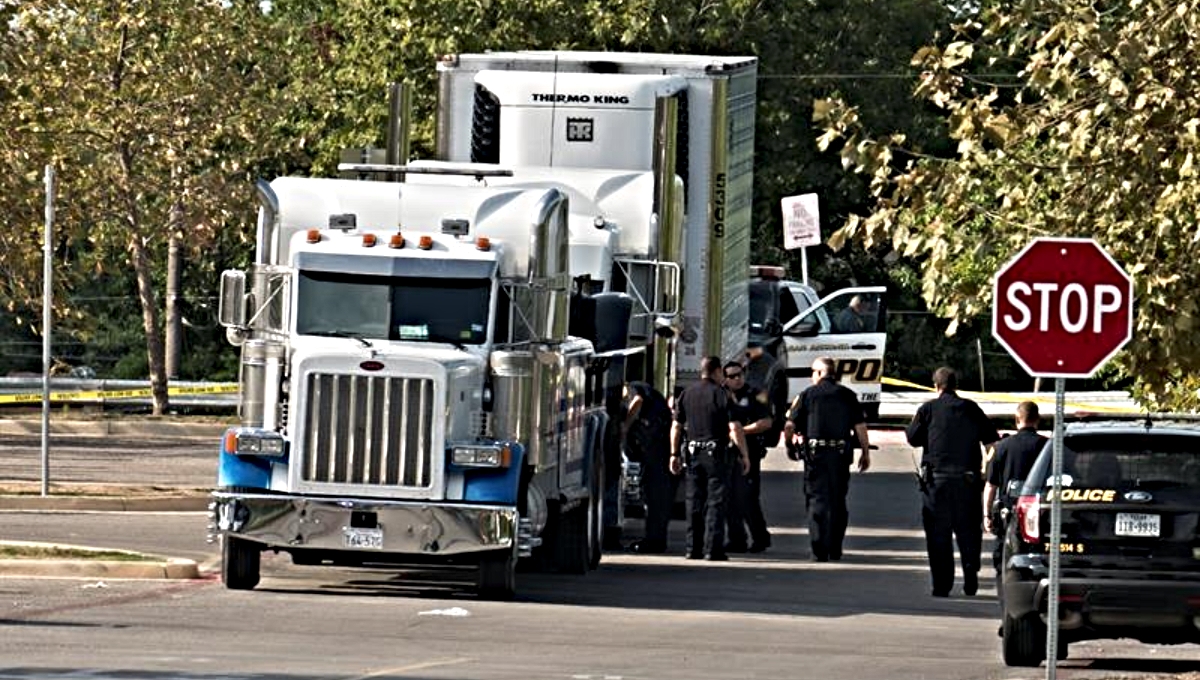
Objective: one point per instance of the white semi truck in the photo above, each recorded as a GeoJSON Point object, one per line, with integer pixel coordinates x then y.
{"type": "Point", "coordinates": [429, 355]}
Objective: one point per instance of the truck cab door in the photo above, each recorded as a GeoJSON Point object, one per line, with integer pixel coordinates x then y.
{"type": "Point", "coordinates": [848, 325]}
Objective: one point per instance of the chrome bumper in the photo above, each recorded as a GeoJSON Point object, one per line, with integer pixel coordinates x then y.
{"type": "Point", "coordinates": [413, 528]}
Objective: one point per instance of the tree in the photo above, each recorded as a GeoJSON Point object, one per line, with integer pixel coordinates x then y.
{"type": "Point", "coordinates": [152, 111]}
{"type": "Point", "coordinates": [1070, 120]}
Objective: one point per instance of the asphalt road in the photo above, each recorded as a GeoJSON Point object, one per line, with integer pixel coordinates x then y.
{"type": "Point", "coordinates": [775, 615]}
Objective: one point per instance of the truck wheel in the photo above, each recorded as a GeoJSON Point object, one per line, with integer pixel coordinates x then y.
{"type": "Point", "coordinates": [1024, 641]}
{"type": "Point", "coordinates": [573, 541]}
{"type": "Point", "coordinates": [595, 513]}
{"type": "Point", "coordinates": [498, 575]}
{"type": "Point", "coordinates": [240, 560]}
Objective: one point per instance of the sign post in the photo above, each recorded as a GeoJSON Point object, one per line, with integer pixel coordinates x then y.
{"type": "Point", "coordinates": [801, 226]}
{"type": "Point", "coordinates": [1062, 307]}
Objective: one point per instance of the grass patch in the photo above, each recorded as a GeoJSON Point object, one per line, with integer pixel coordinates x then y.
{"type": "Point", "coordinates": [35, 552]}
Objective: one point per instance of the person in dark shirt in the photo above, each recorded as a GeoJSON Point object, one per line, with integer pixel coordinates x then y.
{"type": "Point", "coordinates": [751, 409]}
{"type": "Point", "coordinates": [853, 318]}
{"type": "Point", "coordinates": [952, 431]}
{"type": "Point", "coordinates": [827, 424]}
{"type": "Point", "coordinates": [646, 432]}
{"type": "Point", "coordinates": [702, 416]}
{"type": "Point", "coordinates": [767, 374]}
{"type": "Point", "coordinates": [1010, 464]}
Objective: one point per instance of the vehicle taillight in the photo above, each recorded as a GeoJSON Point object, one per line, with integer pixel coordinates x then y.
{"type": "Point", "coordinates": [1029, 516]}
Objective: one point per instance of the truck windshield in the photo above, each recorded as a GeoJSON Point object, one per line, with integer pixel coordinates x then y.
{"type": "Point", "coordinates": [393, 307]}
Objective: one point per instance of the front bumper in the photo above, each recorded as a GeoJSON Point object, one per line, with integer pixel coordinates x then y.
{"type": "Point", "coordinates": [408, 527]}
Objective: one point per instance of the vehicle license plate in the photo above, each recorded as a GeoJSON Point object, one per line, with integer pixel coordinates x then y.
{"type": "Point", "coordinates": [1138, 524]}
{"type": "Point", "coordinates": [364, 539]}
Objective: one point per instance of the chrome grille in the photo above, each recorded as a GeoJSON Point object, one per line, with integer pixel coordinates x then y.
{"type": "Point", "coordinates": [372, 430]}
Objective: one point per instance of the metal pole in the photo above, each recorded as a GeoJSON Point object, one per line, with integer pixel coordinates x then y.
{"type": "Point", "coordinates": [47, 300]}
{"type": "Point", "coordinates": [979, 352]}
{"type": "Point", "coordinates": [1055, 531]}
{"type": "Point", "coordinates": [804, 265]}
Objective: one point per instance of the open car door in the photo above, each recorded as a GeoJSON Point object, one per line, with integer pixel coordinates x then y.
{"type": "Point", "coordinates": [848, 325]}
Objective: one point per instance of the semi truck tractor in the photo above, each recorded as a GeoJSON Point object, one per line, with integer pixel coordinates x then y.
{"type": "Point", "coordinates": [431, 353]}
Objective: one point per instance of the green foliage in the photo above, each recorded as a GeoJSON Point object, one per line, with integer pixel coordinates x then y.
{"type": "Point", "coordinates": [1092, 134]}
{"type": "Point", "coordinates": [154, 112]}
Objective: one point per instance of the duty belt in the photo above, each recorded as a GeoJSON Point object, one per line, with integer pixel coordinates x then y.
{"type": "Point", "coordinates": [693, 447]}
{"type": "Point", "coordinates": [827, 443]}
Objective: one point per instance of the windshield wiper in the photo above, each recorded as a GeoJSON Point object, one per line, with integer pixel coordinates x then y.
{"type": "Point", "coordinates": [434, 337]}
{"type": "Point", "coordinates": [342, 334]}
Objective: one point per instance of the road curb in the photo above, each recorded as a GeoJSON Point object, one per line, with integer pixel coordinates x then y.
{"type": "Point", "coordinates": [105, 503]}
{"type": "Point", "coordinates": [152, 568]}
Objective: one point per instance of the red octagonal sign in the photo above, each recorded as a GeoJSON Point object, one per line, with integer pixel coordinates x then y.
{"type": "Point", "coordinates": [1062, 307]}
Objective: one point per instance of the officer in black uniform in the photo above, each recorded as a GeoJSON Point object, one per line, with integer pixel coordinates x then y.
{"type": "Point", "coordinates": [751, 409]}
{"type": "Point", "coordinates": [647, 432]}
{"type": "Point", "coordinates": [828, 422]}
{"type": "Point", "coordinates": [952, 430]}
{"type": "Point", "coordinates": [702, 415]}
{"type": "Point", "coordinates": [1010, 464]}
{"type": "Point", "coordinates": [767, 374]}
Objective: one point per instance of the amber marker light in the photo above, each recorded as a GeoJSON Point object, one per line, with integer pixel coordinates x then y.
{"type": "Point", "coordinates": [368, 240]}
{"type": "Point", "coordinates": [483, 243]}
{"type": "Point", "coordinates": [425, 243]}
{"type": "Point", "coordinates": [397, 241]}
{"type": "Point", "coordinates": [314, 236]}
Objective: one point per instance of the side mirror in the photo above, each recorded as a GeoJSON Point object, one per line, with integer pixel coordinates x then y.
{"type": "Point", "coordinates": [232, 308]}
{"type": "Point", "coordinates": [772, 328]}
{"type": "Point", "coordinates": [807, 329]}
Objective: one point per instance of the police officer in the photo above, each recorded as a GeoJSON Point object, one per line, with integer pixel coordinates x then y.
{"type": "Point", "coordinates": [646, 429]}
{"type": "Point", "coordinates": [952, 430]}
{"type": "Point", "coordinates": [1010, 464]}
{"type": "Point", "coordinates": [702, 415]}
{"type": "Point", "coordinates": [767, 374]}
{"type": "Point", "coordinates": [750, 408]}
{"type": "Point", "coordinates": [827, 423]}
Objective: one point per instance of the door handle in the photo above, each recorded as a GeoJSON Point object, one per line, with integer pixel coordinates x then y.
{"type": "Point", "coordinates": [862, 346]}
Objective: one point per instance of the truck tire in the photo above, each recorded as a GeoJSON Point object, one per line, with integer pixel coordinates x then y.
{"type": "Point", "coordinates": [498, 575]}
{"type": "Point", "coordinates": [595, 507]}
{"type": "Point", "coordinates": [240, 561]}
{"type": "Point", "coordinates": [573, 554]}
{"type": "Point", "coordinates": [1024, 641]}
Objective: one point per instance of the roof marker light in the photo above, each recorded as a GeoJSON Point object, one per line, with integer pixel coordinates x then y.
{"type": "Point", "coordinates": [397, 241]}
{"type": "Point", "coordinates": [368, 240]}
{"type": "Point", "coordinates": [425, 243]}
{"type": "Point", "coordinates": [314, 236]}
{"type": "Point", "coordinates": [483, 243]}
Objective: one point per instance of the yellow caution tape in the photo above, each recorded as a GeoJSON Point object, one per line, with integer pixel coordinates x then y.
{"type": "Point", "coordinates": [99, 395]}
{"type": "Point", "coordinates": [1016, 399]}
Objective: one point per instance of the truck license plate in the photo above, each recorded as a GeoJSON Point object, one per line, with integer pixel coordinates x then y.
{"type": "Point", "coordinates": [1138, 524]}
{"type": "Point", "coordinates": [364, 539]}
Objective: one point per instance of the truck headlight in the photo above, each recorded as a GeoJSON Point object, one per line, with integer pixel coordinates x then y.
{"type": "Point", "coordinates": [247, 442]}
{"type": "Point", "coordinates": [480, 455]}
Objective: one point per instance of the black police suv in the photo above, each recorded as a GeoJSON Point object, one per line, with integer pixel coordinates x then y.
{"type": "Point", "coordinates": [1130, 549]}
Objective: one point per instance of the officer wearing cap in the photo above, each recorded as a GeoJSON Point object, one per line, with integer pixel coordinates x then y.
{"type": "Point", "coordinates": [827, 423]}
{"type": "Point", "coordinates": [702, 415]}
{"type": "Point", "coordinates": [750, 408]}
{"type": "Point", "coordinates": [766, 373]}
{"type": "Point", "coordinates": [952, 430]}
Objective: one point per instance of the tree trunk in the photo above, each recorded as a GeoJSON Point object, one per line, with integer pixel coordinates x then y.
{"type": "Point", "coordinates": [174, 314]}
{"type": "Point", "coordinates": [155, 348]}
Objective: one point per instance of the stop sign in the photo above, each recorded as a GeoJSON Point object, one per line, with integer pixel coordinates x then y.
{"type": "Point", "coordinates": [1062, 307]}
